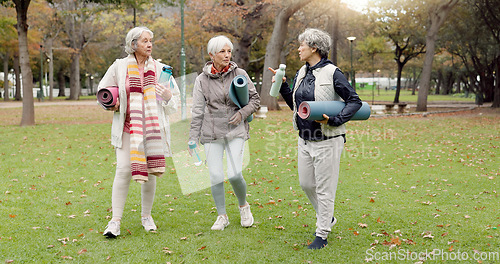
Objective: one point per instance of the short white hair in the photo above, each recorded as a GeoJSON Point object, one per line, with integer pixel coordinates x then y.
{"type": "Point", "coordinates": [318, 39]}
{"type": "Point", "coordinates": [217, 43]}
{"type": "Point", "coordinates": [132, 36]}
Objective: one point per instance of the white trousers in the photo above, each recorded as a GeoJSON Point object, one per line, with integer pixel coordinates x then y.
{"type": "Point", "coordinates": [234, 154]}
{"type": "Point", "coordinates": [121, 183]}
{"type": "Point", "coordinates": [318, 166]}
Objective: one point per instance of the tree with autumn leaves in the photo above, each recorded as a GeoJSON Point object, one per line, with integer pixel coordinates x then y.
{"type": "Point", "coordinates": [82, 38]}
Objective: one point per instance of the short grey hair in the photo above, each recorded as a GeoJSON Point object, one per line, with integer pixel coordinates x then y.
{"type": "Point", "coordinates": [217, 43]}
{"type": "Point", "coordinates": [132, 36]}
{"type": "Point", "coordinates": [318, 39]}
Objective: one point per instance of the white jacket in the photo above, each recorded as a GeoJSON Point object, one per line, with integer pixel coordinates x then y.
{"type": "Point", "coordinates": [116, 76]}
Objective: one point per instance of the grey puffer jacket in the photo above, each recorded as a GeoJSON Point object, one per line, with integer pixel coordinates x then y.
{"type": "Point", "coordinates": [212, 107]}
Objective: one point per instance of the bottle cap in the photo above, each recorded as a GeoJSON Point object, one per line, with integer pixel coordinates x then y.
{"type": "Point", "coordinates": [192, 144]}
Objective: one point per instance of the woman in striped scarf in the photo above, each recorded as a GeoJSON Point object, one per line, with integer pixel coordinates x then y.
{"type": "Point", "coordinates": [140, 131]}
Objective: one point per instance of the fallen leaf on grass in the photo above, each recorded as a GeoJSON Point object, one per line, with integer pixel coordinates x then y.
{"type": "Point", "coordinates": [371, 200]}
{"type": "Point", "coordinates": [362, 225]}
{"type": "Point", "coordinates": [83, 250]}
{"type": "Point", "coordinates": [279, 227]}
{"type": "Point", "coordinates": [108, 258]}
{"type": "Point", "coordinates": [380, 221]}
{"type": "Point", "coordinates": [166, 250]}
{"type": "Point", "coordinates": [202, 248]}
{"type": "Point", "coordinates": [67, 257]}
{"type": "Point", "coordinates": [467, 217]}
{"type": "Point", "coordinates": [444, 234]}
{"type": "Point", "coordinates": [356, 233]}
{"type": "Point", "coordinates": [12, 216]}
{"type": "Point", "coordinates": [183, 238]}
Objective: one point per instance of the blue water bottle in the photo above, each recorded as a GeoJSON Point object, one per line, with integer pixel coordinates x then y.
{"type": "Point", "coordinates": [195, 154]}
{"type": "Point", "coordinates": [166, 76]}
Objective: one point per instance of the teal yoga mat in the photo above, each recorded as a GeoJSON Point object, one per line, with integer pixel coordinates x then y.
{"type": "Point", "coordinates": [238, 92]}
{"type": "Point", "coordinates": [314, 110]}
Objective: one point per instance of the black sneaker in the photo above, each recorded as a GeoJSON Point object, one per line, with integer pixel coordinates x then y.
{"type": "Point", "coordinates": [318, 243]}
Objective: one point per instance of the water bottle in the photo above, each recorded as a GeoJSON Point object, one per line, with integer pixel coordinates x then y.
{"type": "Point", "coordinates": [195, 154]}
{"type": "Point", "coordinates": [166, 76]}
{"type": "Point", "coordinates": [278, 80]}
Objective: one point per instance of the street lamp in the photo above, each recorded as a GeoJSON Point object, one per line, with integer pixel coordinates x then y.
{"type": "Point", "coordinates": [351, 39]}
{"type": "Point", "coordinates": [378, 84]}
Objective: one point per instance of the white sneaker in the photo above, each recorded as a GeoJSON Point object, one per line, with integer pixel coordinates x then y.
{"type": "Point", "coordinates": [112, 229]}
{"type": "Point", "coordinates": [148, 223]}
{"type": "Point", "coordinates": [246, 216]}
{"type": "Point", "coordinates": [334, 221]}
{"type": "Point", "coordinates": [221, 222]}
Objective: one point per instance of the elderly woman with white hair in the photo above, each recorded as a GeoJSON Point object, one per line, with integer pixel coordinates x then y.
{"type": "Point", "coordinates": [320, 143]}
{"type": "Point", "coordinates": [220, 125]}
{"type": "Point", "coordinates": [140, 131]}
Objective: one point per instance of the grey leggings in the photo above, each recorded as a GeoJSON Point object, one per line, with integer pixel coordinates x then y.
{"type": "Point", "coordinates": [234, 152]}
{"type": "Point", "coordinates": [122, 180]}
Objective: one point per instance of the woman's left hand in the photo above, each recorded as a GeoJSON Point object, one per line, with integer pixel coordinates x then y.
{"type": "Point", "coordinates": [324, 121]}
{"type": "Point", "coordinates": [235, 119]}
{"type": "Point", "coordinates": [164, 92]}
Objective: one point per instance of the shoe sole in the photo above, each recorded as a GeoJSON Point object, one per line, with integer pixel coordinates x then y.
{"type": "Point", "coordinates": [220, 229]}
{"type": "Point", "coordinates": [110, 235]}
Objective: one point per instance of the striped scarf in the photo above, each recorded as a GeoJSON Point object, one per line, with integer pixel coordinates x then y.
{"type": "Point", "coordinates": [146, 150]}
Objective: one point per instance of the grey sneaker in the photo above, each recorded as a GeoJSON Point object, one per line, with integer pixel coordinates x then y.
{"type": "Point", "coordinates": [246, 216]}
{"type": "Point", "coordinates": [221, 222]}
{"type": "Point", "coordinates": [112, 229]}
{"type": "Point", "coordinates": [148, 223]}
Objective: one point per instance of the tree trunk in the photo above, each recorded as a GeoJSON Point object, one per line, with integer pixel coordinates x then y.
{"type": "Point", "coordinates": [437, 16]}
{"type": "Point", "coordinates": [273, 51]}
{"type": "Point", "coordinates": [28, 117]}
{"type": "Point", "coordinates": [398, 82]}
{"type": "Point", "coordinates": [242, 51]}
{"type": "Point", "coordinates": [333, 23]}
{"type": "Point", "coordinates": [61, 81]}
{"type": "Point", "coordinates": [74, 78]}
{"type": "Point", "coordinates": [17, 74]}
{"type": "Point", "coordinates": [496, 97]}
{"type": "Point", "coordinates": [6, 76]}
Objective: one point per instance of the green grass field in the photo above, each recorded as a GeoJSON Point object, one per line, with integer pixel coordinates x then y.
{"type": "Point", "coordinates": [409, 186]}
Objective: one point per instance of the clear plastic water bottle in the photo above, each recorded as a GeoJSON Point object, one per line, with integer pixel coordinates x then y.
{"type": "Point", "coordinates": [196, 155]}
{"type": "Point", "coordinates": [278, 80]}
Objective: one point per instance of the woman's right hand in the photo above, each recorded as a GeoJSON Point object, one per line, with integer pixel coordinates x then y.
{"type": "Point", "coordinates": [116, 107]}
{"type": "Point", "coordinates": [274, 72]}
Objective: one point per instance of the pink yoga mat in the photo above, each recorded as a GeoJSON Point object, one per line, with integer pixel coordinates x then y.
{"type": "Point", "coordinates": [108, 96]}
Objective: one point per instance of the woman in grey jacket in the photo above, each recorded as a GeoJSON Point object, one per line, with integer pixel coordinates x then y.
{"type": "Point", "coordinates": [321, 142]}
{"type": "Point", "coordinates": [219, 124]}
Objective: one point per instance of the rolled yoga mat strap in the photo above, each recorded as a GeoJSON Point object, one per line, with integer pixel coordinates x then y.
{"type": "Point", "coordinates": [238, 92]}
{"type": "Point", "coordinates": [314, 110]}
{"type": "Point", "coordinates": [108, 96]}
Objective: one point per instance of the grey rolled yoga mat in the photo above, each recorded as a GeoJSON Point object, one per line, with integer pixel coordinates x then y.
{"type": "Point", "coordinates": [238, 92]}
